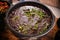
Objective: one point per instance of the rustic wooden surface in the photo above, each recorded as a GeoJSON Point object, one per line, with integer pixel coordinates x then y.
{"type": "Point", "coordinates": [55, 3]}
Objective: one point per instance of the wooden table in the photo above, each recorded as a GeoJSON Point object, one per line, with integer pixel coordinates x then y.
{"type": "Point", "coordinates": [55, 3]}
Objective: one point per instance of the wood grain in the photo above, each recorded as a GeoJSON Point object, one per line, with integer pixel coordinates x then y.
{"type": "Point", "coordinates": [55, 3]}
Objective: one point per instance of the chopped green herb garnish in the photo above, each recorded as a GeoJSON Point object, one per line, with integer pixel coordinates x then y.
{"type": "Point", "coordinates": [36, 26]}
{"type": "Point", "coordinates": [40, 13]}
{"type": "Point", "coordinates": [28, 14]}
{"type": "Point", "coordinates": [20, 28]}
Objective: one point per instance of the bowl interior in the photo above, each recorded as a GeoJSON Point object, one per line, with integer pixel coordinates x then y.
{"type": "Point", "coordinates": [39, 5]}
